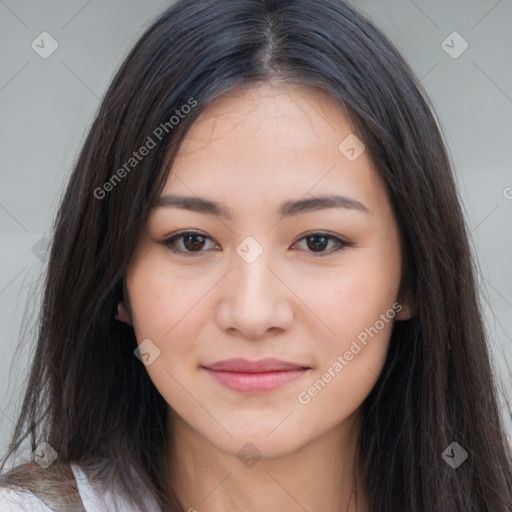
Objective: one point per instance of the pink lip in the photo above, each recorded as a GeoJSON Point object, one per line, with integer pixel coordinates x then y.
{"type": "Point", "coordinates": [254, 376]}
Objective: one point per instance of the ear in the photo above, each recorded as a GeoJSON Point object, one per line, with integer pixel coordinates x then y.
{"type": "Point", "coordinates": [122, 314]}
{"type": "Point", "coordinates": [405, 304]}
{"type": "Point", "coordinates": [406, 300]}
{"type": "Point", "coordinates": [405, 312]}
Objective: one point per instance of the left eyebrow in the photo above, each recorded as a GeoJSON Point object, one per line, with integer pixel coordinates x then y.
{"type": "Point", "coordinates": [286, 209]}
{"type": "Point", "coordinates": [320, 203]}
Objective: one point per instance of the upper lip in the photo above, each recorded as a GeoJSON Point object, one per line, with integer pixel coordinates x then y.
{"type": "Point", "coordinates": [247, 366]}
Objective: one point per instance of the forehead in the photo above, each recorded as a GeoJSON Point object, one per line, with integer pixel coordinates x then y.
{"type": "Point", "coordinates": [294, 113]}
{"type": "Point", "coordinates": [272, 139]}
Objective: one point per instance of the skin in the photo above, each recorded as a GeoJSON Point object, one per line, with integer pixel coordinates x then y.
{"type": "Point", "coordinates": [251, 151]}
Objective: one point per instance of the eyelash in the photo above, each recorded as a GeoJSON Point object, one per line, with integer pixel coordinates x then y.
{"type": "Point", "coordinates": [170, 241]}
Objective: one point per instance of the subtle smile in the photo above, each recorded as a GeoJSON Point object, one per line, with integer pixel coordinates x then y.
{"type": "Point", "coordinates": [254, 376]}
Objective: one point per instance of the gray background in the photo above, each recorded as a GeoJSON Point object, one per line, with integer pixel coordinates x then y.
{"type": "Point", "coordinates": [47, 106]}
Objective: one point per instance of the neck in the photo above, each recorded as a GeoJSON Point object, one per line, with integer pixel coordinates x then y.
{"type": "Point", "coordinates": [318, 476]}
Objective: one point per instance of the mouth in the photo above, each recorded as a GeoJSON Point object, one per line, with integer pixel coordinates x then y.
{"type": "Point", "coordinates": [260, 376]}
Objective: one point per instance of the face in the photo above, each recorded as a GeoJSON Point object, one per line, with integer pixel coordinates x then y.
{"type": "Point", "coordinates": [270, 241]}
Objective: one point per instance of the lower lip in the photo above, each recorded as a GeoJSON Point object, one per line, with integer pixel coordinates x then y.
{"type": "Point", "coordinates": [255, 382]}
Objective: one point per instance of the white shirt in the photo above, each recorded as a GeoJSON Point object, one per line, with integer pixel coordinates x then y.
{"type": "Point", "coordinates": [94, 500]}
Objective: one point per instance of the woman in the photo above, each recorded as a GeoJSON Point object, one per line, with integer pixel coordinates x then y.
{"type": "Point", "coordinates": [260, 293]}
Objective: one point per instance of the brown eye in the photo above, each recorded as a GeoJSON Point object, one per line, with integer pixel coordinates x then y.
{"type": "Point", "coordinates": [317, 243]}
{"type": "Point", "coordinates": [189, 243]}
{"type": "Point", "coordinates": [321, 244]}
{"type": "Point", "coordinates": [194, 242]}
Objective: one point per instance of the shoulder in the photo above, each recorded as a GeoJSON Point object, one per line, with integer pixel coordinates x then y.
{"type": "Point", "coordinates": [20, 500]}
{"type": "Point", "coordinates": [98, 497]}
{"type": "Point", "coordinates": [28, 487]}
{"type": "Point", "coordinates": [68, 488]}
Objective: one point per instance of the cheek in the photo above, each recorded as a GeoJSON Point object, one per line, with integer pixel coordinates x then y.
{"type": "Point", "coordinates": [352, 297]}
{"type": "Point", "coordinates": [351, 360]}
{"type": "Point", "coordinates": [357, 306]}
{"type": "Point", "coordinates": [167, 309]}
{"type": "Point", "coordinates": [165, 304]}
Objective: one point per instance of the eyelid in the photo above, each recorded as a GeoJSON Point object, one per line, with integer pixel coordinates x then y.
{"type": "Point", "coordinates": [168, 240]}
{"type": "Point", "coordinates": [340, 242]}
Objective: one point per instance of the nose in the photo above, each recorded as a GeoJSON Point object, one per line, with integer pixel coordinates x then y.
{"type": "Point", "coordinates": [254, 302]}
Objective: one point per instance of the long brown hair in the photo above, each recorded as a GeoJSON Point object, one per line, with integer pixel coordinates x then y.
{"type": "Point", "coordinates": [92, 400]}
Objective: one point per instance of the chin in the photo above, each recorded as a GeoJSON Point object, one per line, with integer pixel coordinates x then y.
{"type": "Point", "coordinates": [258, 444]}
